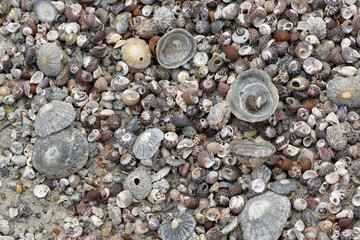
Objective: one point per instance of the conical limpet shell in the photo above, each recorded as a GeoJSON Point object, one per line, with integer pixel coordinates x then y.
{"type": "Point", "coordinates": [54, 117]}
{"type": "Point", "coordinates": [61, 154]}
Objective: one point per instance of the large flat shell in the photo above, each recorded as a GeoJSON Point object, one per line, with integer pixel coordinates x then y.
{"type": "Point", "coordinates": [252, 82]}
{"type": "Point", "coordinates": [175, 48]}
{"type": "Point", "coordinates": [344, 91]}
{"type": "Point", "coordinates": [252, 154]}
{"type": "Point", "coordinates": [61, 154]}
{"type": "Point", "coordinates": [264, 216]}
{"type": "Point", "coordinates": [54, 117]}
{"type": "Point", "coordinates": [138, 183]}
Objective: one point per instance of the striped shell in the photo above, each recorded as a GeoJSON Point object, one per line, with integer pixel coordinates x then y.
{"type": "Point", "coordinates": [148, 143]}
{"type": "Point", "coordinates": [54, 117]}
{"type": "Point", "coordinates": [48, 59]}
{"type": "Point", "coordinates": [177, 226]}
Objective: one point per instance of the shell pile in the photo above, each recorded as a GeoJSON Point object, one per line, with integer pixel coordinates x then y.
{"type": "Point", "coordinates": [180, 120]}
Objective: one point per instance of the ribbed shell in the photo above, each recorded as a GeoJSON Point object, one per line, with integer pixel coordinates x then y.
{"type": "Point", "coordinates": [136, 53]}
{"type": "Point", "coordinates": [175, 48]}
{"type": "Point", "coordinates": [219, 115]}
{"type": "Point", "coordinates": [163, 18]}
{"type": "Point", "coordinates": [138, 183]}
{"type": "Point", "coordinates": [61, 154]}
{"type": "Point", "coordinates": [45, 11]}
{"type": "Point", "coordinates": [183, 230]}
{"type": "Point", "coordinates": [264, 216]}
{"type": "Point", "coordinates": [344, 91]}
{"type": "Point", "coordinates": [252, 82]}
{"type": "Point", "coordinates": [148, 143]}
{"type": "Point", "coordinates": [261, 172]}
{"type": "Point", "coordinates": [48, 59]}
{"type": "Point", "coordinates": [54, 117]}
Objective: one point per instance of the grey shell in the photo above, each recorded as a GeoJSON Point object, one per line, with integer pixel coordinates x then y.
{"type": "Point", "coordinates": [175, 161]}
{"type": "Point", "coordinates": [138, 183]}
{"type": "Point", "coordinates": [48, 59]}
{"type": "Point", "coordinates": [252, 82]}
{"type": "Point", "coordinates": [54, 117]}
{"type": "Point", "coordinates": [264, 216]}
{"type": "Point", "coordinates": [252, 154]}
{"type": "Point", "coordinates": [340, 85]}
{"type": "Point", "coordinates": [261, 172]}
{"type": "Point", "coordinates": [283, 186]}
{"type": "Point", "coordinates": [175, 48]}
{"type": "Point", "coordinates": [61, 154]}
{"type": "Point", "coordinates": [184, 229]}
{"type": "Point", "coordinates": [45, 11]}
{"type": "Point", "coordinates": [147, 144]}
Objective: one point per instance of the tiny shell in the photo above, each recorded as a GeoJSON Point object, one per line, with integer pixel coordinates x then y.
{"type": "Point", "coordinates": [219, 115]}
{"type": "Point", "coordinates": [41, 190]}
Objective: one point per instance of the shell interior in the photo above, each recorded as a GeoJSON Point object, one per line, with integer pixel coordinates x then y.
{"type": "Point", "coordinates": [175, 48]}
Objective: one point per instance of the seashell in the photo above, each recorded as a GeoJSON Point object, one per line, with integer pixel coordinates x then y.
{"type": "Point", "coordinates": [179, 225]}
{"type": "Point", "coordinates": [148, 143]}
{"type": "Point", "coordinates": [284, 25]}
{"type": "Point", "coordinates": [219, 115]}
{"type": "Point", "coordinates": [321, 211]}
{"type": "Point", "coordinates": [175, 48]}
{"type": "Point", "coordinates": [213, 214]}
{"type": "Point", "coordinates": [271, 219]}
{"type": "Point", "coordinates": [163, 18]}
{"type": "Point", "coordinates": [138, 183]}
{"type": "Point", "coordinates": [130, 97]}
{"type": "Point", "coordinates": [124, 199]}
{"type": "Point", "coordinates": [61, 154]}
{"type": "Point", "coordinates": [303, 49]}
{"type": "Point", "coordinates": [216, 27]}
{"type": "Point", "coordinates": [73, 11]}
{"type": "Point", "coordinates": [143, 27]}
{"type": "Point", "coordinates": [312, 65]}
{"type": "Point", "coordinates": [54, 117]}
{"type": "Point", "coordinates": [313, 185]}
{"type": "Point", "coordinates": [41, 191]}
{"type": "Point", "coordinates": [336, 138]}
{"type": "Point", "coordinates": [241, 35]}
{"type": "Point", "coordinates": [156, 196]}
{"type": "Point", "coordinates": [48, 59]}
{"type": "Point", "coordinates": [302, 129]}
{"type": "Point", "coordinates": [299, 203]}
{"type": "Point", "coordinates": [350, 55]}
{"type": "Point", "coordinates": [300, 6]}
{"type": "Point", "coordinates": [136, 53]}
{"type": "Point", "coordinates": [263, 89]}
{"type": "Point", "coordinates": [252, 154]}
{"type": "Point", "coordinates": [45, 11]}
{"type": "Point", "coordinates": [202, 27]}
{"type": "Point", "coordinates": [332, 178]}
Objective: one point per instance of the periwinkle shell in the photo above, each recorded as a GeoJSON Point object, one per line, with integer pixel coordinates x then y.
{"type": "Point", "coordinates": [344, 91]}
{"type": "Point", "coordinates": [175, 48]}
{"type": "Point", "coordinates": [48, 59]}
{"type": "Point", "coordinates": [178, 226]}
{"type": "Point", "coordinates": [264, 216]}
{"type": "Point", "coordinates": [252, 154]}
{"type": "Point", "coordinates": [138, 183]}
{"type": "Point", "coordinates": [148, 143]}
{"type": "Point", "coordinates": [256, 83]}
{"type": "Point", "coordinates": [54, 117]}
{"type": "Point", "coordinates": [61, 154]}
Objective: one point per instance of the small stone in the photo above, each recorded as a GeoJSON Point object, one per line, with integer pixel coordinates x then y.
{"type": "Point", "coordinates": [4, 226]}
{"type": "Point", "coordinates": [107, 229]}
{"type": "Point", "coordinates": [13, 212]}
{"type": "Point", "coordinates": [129, 228]}
{"type": "Point", "coordinates": [19, 189]}
{"type": "Point", "coordinates": [16, 148]}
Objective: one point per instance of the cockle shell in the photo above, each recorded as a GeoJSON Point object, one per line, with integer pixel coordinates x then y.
{"type": "Point", "coordinates": [54, 117]}
{"type": "Point", "coordinates": [252, 154]}
{"type": "Point", "coordinates": [147, 144]}
{"type": "Point", "coordinates": [61, 154]}
{"type": "Point", "coordinates": [175, 48]}
{"type": "Point", "coordinates": [256, 83]}
{"type": "Point", "coordinates": [264, 216]}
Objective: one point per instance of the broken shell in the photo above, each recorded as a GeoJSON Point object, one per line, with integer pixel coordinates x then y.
{"type": "Point", "coordinates": [41, 190]}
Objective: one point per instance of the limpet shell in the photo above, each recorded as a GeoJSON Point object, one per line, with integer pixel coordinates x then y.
{"type": "Point", "coordinates": [264, 216]}
{"type": "Point", "coordinates": [178, 226]}
{"type": "Point", "coordinates": [61, 154]}
{"type": "Point", "coordinates": [175, 48]}
{"type": "Point", "coordinates": [48, 59]}
{"type": "Point", "coordinates": [136, 53]}
{"type": "Point", "coordinates": [45, 11]}
{"type": "Point", "coordinates": [54, 117]}
{"type": "Point", "coordinates": [147, 144]}
{"type": "Point", "coordinates": [255, 83]}
{"type": "Point", "coordinates": [219, 115]}
{"type": "Point", "coordinates": [344, 91]}
{"type": "Point", "coordinates": [252, 154]}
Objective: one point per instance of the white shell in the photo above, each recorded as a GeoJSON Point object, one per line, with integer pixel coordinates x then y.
{"type": "Point", "coordinates": [213, 214]}
{"type": "Point", "coordinates": [12, 27]}
{"type": "Point", "coordinates": [265, 29]}
{"type": "Point", "coordinates": [285, 25]}
{"type": "Point", "coordinates": [348, 71]}
{"type": "Point", "coordinates": [299, 225]}
{"type": "Point", "coordinates": [356, 200]}
{"type": "Point", "coordinates": [314, 40]}
{"type": "Point", "coordinates": [245, 50]}
{"type": "Point", "coordinates": [332, 118]}
{"type": "Point", "coordinates": [241, 38]}
{"type": "Point", "coordinates": [310, 174]}
{"type": "Point", "coordinates": [312, 65]}
{"type": "Point", "coordinates": [124, 199]}
{"type": "Point", "coordinates": [125, 68]}
{"type": "Point", "coordinates": [332, 178]}
{"type": "Point", "coordinates": [200, 59]}
{"type": "Point", "coordinates": [37, 77]}
{"type": "Point", "coordinates": [335, 197]}
{"type": "Point", "coordinates": [41, 191]}
{"type": "Point", "coordinates": [96, 221]}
